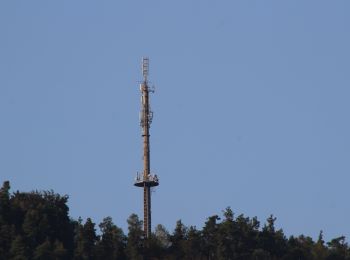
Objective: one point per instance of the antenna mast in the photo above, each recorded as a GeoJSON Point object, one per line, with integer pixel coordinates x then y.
{"type": "Point", "coordinates": [146, 180]}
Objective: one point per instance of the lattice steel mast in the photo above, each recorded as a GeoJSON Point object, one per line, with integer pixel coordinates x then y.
{"type": "Point", "coordinates": [146, 180]}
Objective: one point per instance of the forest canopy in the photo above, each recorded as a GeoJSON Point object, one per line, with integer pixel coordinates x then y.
{"type": "Point", "coordinates": [37, 225]}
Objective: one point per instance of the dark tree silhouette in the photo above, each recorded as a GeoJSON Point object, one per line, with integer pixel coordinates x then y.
{"type": "Point", "coordinates": [36, 225]}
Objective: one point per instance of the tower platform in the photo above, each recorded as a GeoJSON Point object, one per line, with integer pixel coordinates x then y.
{"type": "Point", "coordinates": [150, 181]}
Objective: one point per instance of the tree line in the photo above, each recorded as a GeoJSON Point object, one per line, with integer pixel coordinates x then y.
{"type": "Point", "coordinates": [36, 225]}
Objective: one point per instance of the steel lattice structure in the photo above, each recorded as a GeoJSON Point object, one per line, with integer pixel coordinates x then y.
{"type": "Point", "coordinates": [146, 179]}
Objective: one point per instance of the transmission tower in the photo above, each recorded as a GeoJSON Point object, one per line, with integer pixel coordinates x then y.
{"type": "Point", "coordinates": [146, 179]}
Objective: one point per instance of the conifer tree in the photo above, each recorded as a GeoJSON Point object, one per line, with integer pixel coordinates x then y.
{"type": "Point", "coordinates": [5, 202]}
{"type": "Point", "coordinates": [43, 251]}
{"type": "Point", "coordinates": [113, 241]}
{"type": "Point", "coordinates": [193, 248]}
{"type": "Point", "coordinates": [178, 240]}
{"type": "Point", "coordinates": [59, 251]}
{"type": "Point", "coordinates": [210, 233]}
{"type": "Point", "coordinates": [86, 239]}
{"type": "Point", "coordinates": [134, 247]}
{"type": "Point", "coordinates": [19, 250]}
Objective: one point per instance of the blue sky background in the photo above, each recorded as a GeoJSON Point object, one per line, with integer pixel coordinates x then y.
{"type": "Point", "coordinates": [251, 108]}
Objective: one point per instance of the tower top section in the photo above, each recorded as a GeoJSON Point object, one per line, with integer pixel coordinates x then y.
{"type": "Point", "coordinates": [145, 68]}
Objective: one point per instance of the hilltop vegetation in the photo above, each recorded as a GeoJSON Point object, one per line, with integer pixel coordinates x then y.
{"type": "Point", "coordinates": [36, 225]}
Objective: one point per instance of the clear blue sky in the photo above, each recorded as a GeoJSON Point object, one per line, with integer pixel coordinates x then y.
{"type": "Point", "coordinates": [251, 108]}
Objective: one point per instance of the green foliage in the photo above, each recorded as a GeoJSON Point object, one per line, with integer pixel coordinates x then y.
{"type": "Point", "coordinates": [271, 240]}
{"type": "Point", "coordinates": [192, 247]}
{"type": "Point", "coordinates": [113, 241]}
{"type": "Point", "coordinates": [59, 251]}
{"type": "Point", "coordinates": [210, 237]}
{"type": "Point", "coordinates": [5, 202]}
{"type": "Point", "coordinates": [85, 242]}
{"type": "Point", "coordinates": [339, 249]}
{"type": "Point", "coordinates": [36, 225]}
{"type": "Point", "coordinates": [162, 236]}
{"type": "Point", "coordinates": [19, 250]}
{"type": "Point", "coordinates": [178, 240]}
{"type": "Point", "coordinates": [7, 237]}
{"type": "Point", "coordinates": [319, 250]}
{"type": "Point", "coordinates": [43, 251]}
{"type": "Point", "coordinates": [134, 247]}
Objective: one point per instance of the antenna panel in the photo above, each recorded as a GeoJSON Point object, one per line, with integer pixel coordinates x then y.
{"type": "Point", "coordinates": [145, 67]}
